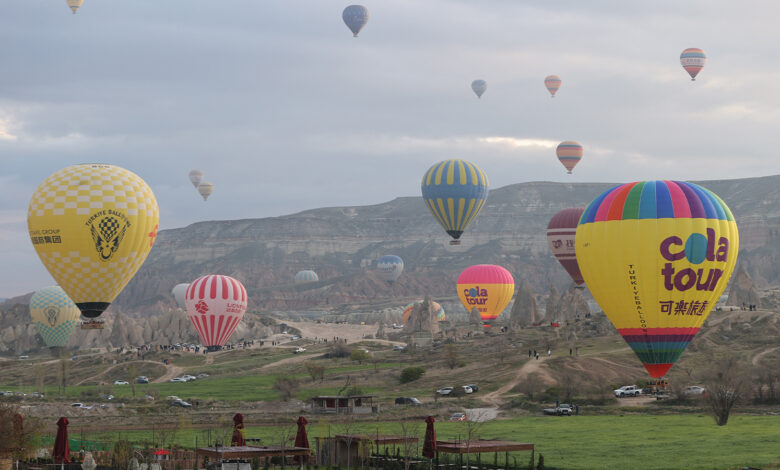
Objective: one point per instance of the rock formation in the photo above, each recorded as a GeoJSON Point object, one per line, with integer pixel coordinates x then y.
{"type": "Point", "coordinates": [524, 311]}
{"type": "Point", "coordinates": [572, 304]}
{"type": "Point", "coordinates": [743, 290]}
{"type": "Point", "coordinates": [422, 319]}
{"type": "Point", "coordinates": [551, 306]}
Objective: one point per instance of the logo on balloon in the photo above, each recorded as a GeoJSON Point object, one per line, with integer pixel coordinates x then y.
{"type": "Point", "coordinates": [201, 307]}
{"type": "Point", "coordinates": [51, 315]}
{"type": "Point", "coordinates": [696, 249]}
{"type": "Point", "coordinates": [475, 296]}
{"type": "Point", "coordinates": [108, 228]}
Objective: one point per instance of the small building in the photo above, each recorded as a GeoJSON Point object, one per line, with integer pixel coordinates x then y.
{"type": "Point", "coordinates": [350, 404]}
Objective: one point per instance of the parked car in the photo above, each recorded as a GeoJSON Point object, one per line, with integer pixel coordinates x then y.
{"type": "Point", "coordinates": [561, 410]}
{"type": "Point", "coordinates": [398, 347]}
{"type": "Point", "coordinates": [294, 337]}
{"type": "Point", "coordinates": [459, 417]}
{"type": "Point", "coordinates": [474, 387]}
{"type": "Point", "coordinates": [299, 350]}
{"type": "Point", "coordinates": [172, 398]}
{"type": "Point", "coordinates": [82, 406]}
{"type": "Point", "coordinates": [694, 390]}
{"type": "Point", "coordinates": [121, 382]}
{"type": "Point", "coordinates": [407, 401]}
{"type": "Point", "coordinates": [181, 403]}
{"type": "Point", "coordinates": [5, 393]}
{"type": "Point", "coordinates": [444, 391]}
{"type": "Point", "coordinates": [37, 395]}
{"type": "Point", "coordinates": [200, 376]}
{"type": "Point", "coordinates": [627, 391]}
{"type": "Point", "coordinates": [149, 397]}
{"type": "Point", "coordinates": [467, 389]}
{"type": "Point", "coordinates": [178, 379]}
{"type": "Point", "coordinates": [188, 378]}
{"type": "Point", "coordinates": [141, 380]}
{"type": "Point", "coordinates": [107, 397]}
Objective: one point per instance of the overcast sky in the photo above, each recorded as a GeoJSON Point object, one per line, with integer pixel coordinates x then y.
{"type": "Point", "coordinates": [283, 110]}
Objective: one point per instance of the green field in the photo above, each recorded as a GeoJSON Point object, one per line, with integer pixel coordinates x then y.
{"type": "Point", "coordinates": [580, 442]}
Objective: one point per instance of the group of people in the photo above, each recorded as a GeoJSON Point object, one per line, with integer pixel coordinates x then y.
{"type": "Point", "coordinates": [535, 354]}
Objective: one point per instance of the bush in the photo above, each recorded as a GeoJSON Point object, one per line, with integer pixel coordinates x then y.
{"type": "Point", "coordinates": [410, 374]}
{"type": "Point", "coordinates": [339, 349]}
{"type": "Point", "coordinates": [457, 392]}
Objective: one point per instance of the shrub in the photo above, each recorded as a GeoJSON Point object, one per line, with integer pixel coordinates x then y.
{"type": "Point", "coordinates": [410, 374]}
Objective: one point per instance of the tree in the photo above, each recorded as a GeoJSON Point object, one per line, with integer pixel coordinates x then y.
{"type": "Point", "coordinates": [451, 355]}
{"type": "Point", "coordinates": [64, 369]}
{"type": "Point", "coordinates": [410, 374]}
{"type": "Point", "coordinates": [359, 355]}
{"type": "Point", "coordinates": [19, 434]}
{"type": "Point", "coordinates": [532, 384]}
{"type": "Point", "coordinates": [132, 371]}
{"type": "Point", "coordinates": [725, 387]}
{"type": "Point", "coordinates": [411, 429]}
{"type": "Point", "coordinates": [315, 371]}
{"type": "Point", "coordinates": [286, 387]}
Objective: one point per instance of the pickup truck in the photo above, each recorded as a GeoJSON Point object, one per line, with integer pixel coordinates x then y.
{"type": "Point", "coordinates": [628, 391]}
{"type": "Point", "coordinates": [561, 410]}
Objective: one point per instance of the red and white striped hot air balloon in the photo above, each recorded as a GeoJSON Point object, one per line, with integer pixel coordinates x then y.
{"type": "Point", "coordinates": [215, 305]}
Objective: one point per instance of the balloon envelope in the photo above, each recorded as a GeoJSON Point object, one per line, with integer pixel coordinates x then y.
{"type": "Point", "coordinates": [205, 189]}
{"type": "Point", "coordinates": [479, 87]}
{"type": "Point", "coordinates": [693, 60]}
{"type": "Point", "coordinates": [355, 17]}
{"type": "Point", "coordinates": [454, 191]}
{"type": "Point", "coordinates": [569, 154]}
{"type": "Point", "coordinates": [196, 176]}
{"type": "Point", "coordinates": [487, 287]}
{"type": "Point", "coordinates": [178, 292]}
{"type": "Point", "coordinates": [54, 314]}
{"type": "Point", "coordinates": [438, 310]}
{"type": "Point", "coordinates": [93, 226]}
{"type": "Point", "coordinates": [390, 267]}
{"type": "Point", "coordinates": [657, 255]}
{"type": "Point", "coordinates": [305, 276]}
{"type": "Point", "coordinates": [215, 305]}
{"type": "Point", "coordinates": [552, 83]}
{"type": "Point", "coordinates": [560, 237]}
{"type": "Point", "coordinates": [74, 5]}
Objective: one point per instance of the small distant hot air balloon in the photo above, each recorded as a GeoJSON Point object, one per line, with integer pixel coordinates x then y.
{"type": "Point", "coordinates": [656, 256]}
{"type": "Point", "coordinates": [693, 60]}
{"type": "Point", "coordinates": [560, 237]}
{"type": "Point", "coordinates": [438, 310]}
{"type": "Point", "coordinates": [196, 176]}
{"type": "Point", "coordinates": [54, 314]}
{"type": "Point", "coordinates": [487, 287]}
{"type": "Point", "coordinates": [479, 87]}
{"type": "Point", "coordinates": [569, 154]}
{"type": "Point", "coordinates": [93, 226]}
{"type": "Point", "coordinates": [552, 83]}
{"type": "Point", "coordinates": [355, 17]}
{"type": "Point", "coordinates": [302, 277]}
{"type": "Point", "coordinates": [454, 191]}
{"type": "Point", "coordinates": [205, 189]}
{"type": "Point", "coordinates": [215, 305]}
{"type": "Point", "coordinates": [74, 5]}
{"type": "Point", "coordinates": [390, 267]}
{"type": "Point", "coordinates": [178, 292]}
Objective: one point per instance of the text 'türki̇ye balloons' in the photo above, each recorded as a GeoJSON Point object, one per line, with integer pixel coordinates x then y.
{"type": "Point", "coordinates": [355, 17]}
{"type": "Point", "coordinates": [693, 60]}
{"type": "Point", "coordinates": [560, 236]}
{"type": "Point", "coordinates": [454, 191]}
{"type": "Point", "coordinates": [487, 287]}
{"type": "Point", "coordinates": [215, 305]}
{"type": "Point", "coordinates": [569, 154]}
{"type": "Point", "coordinates": [656, 256]}
{"type": "Point", "coordinates": [552, 83]}
{"type": "Point", "coordinates": [93, 226]}
{"type": "Point", "coordinates": [390, 268]}
{"type": "Point", "coordinates": [54, 314]}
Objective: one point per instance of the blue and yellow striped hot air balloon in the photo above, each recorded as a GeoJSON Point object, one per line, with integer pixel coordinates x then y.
{"type": "Point", "coordinates": [54, 314]}
{"type": "Point", "coordinates": [454, 191]}
{"type": "Point", "coordinates": [302, 277]}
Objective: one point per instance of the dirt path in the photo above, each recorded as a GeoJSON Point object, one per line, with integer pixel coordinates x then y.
{"type": "Point", "coordinates": [114, 366]}
{"type": "Point", "coordinates": [757, 358]}
{"type": "Point", "coordinates": [352, 333]}
{"type": "Point", "coordinates": [171, 372]}
{"type": "Point", "coordinates": [532, 365]}
{"type": "Point", "coordinates": [289, 360]}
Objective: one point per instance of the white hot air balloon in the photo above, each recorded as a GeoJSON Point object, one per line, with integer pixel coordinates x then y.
{"type": "Point", "coordinates": [479, 87]}
{"type": "Point", "coordinates": [178, 292]}
{"type": "Point", "coordinates": [196, 176]}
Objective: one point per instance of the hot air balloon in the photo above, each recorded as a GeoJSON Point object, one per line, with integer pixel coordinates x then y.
{"type": "Point", "coordinates": [438, 310]}
{"type": "Point", "coordinates": [215, 305]}
{"type": "Point", "coordinates": [390, 267]}
{"type": "Point", "coordinates": [54, 314]}
{"type": "Point", "coordinates": [178, 292]}
{"type": "Point", "coordinates": [693, 60]}
{"type": "Point", "coordinates": [479, 87]}
{"type": "Point", "coordinates": [355, 17]}
{"type": "Point", "coordinates": [93, 226]}
{"type": "Point", "coordinates": [487, 287]}
{"type": "Point", "coordinates": [205, 189]}
{"type": "Point", "coordinates": [560, 236]}
{"type": "Point", "coordinates": [657, 255]}
{"type": "Point", "coordinates": [552, 83]}
{"type": "Point", "coordinates": [74, 5]}
{"type": "Point", "coordinates": [196, 176]}
{"type": "Point", "coordinates": [454, 191]}
{"type": "Point", "coordinates": [569, 154]}
{"type": "Point", "coordinates": [302, 277]}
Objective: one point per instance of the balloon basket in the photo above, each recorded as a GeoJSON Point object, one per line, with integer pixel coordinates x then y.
{"type": "Point", "coordinates": [454, 242]}
{"type": "Point", "coordinates": [213, 348]}
{"type": "Point", "coordinates": [92, 325]}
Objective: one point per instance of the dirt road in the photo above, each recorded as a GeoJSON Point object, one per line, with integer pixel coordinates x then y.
{"type": "Point", "coordinates": [532, 365]}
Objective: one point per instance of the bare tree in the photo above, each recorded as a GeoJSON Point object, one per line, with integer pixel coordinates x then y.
{"type": "Point", "coordinates": [62, 374]}
{"type": "Point", "coordinates": [725, 387]}
{"type": "Point", "coordinates": [132, 371]}
{"type": "Point", "coordinates": [315, 371]}
{"type": "Point", "coordinates": [39, 370]}
{"type": "Point", "coordinates": [532, 385]}
{"type": "Point", "coordinates": [286, 387]}
{"type": "Point", "coordinates": [451, 355]}
{"type": "Point", "coordinates": [474, 422]}
{"type": "Point", "coordinates": [569, 386]}
{"type": "Point", "coordinates": [18, 433]}
{"type": "Point", "coordinates": [409, 431]}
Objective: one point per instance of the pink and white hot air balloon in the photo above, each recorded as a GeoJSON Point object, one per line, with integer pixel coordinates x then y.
{"type": "Point", "coordinates": [215, 305]}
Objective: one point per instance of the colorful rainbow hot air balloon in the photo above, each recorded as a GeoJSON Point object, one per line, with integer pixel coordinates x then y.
{"type": "Point", "coordinates": [355, 17]}
{"type": "Point", "coordinates": [215, 305]}
{"type": "Point", "coordinates": [390, 268]}
{"type": "Point", "coordinates": [454, 191]}
{"type": "Point", "coordinates": [552, 83]}
{"type": "Point", "coordinates": [479, 87]}
{"type": "Point", "coordinates": [205, 189]}
{"type": "Point", "coordinates": [54, 314]}
{"type": "Point", "coordinates": [569, 154]}
{"type": "Point", "coordinates": [693, 60]}
{"type": "Point", "coordinates": [487, 287]}
{"type": "Point", "coordinates": [178, 292]}
{"type": "Point", "coordinates": [93, 226]}
{"type": "Point", "coordinates": [196, 176]}
{"type": "Point", "coordinates": [560, 237]}
{"type": "Point", "coordinates": [438, 310]}
{"type": "Point", "coordinates": [302, 277]}
{"type": "Point", "coordinates": [656, 256]}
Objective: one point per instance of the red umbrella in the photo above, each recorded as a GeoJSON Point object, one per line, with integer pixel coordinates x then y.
{"type": "Point", "coordinates": [238, 431]}
{"type": "Point", "coordinates": [61, 447]}
{"type": "Point", "coordinates": [429, 446]}
{"type": "Point", "coordinates": [301, 439]}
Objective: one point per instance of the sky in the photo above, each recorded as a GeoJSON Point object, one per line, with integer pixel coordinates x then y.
{"type": "Point", "coordinates": [284, 111]}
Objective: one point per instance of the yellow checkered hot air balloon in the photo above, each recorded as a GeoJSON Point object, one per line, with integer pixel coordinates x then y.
{"type": "Point", "coordinates": [93, 226]}
{"type": "Point", "coordinates": [54, 314]}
